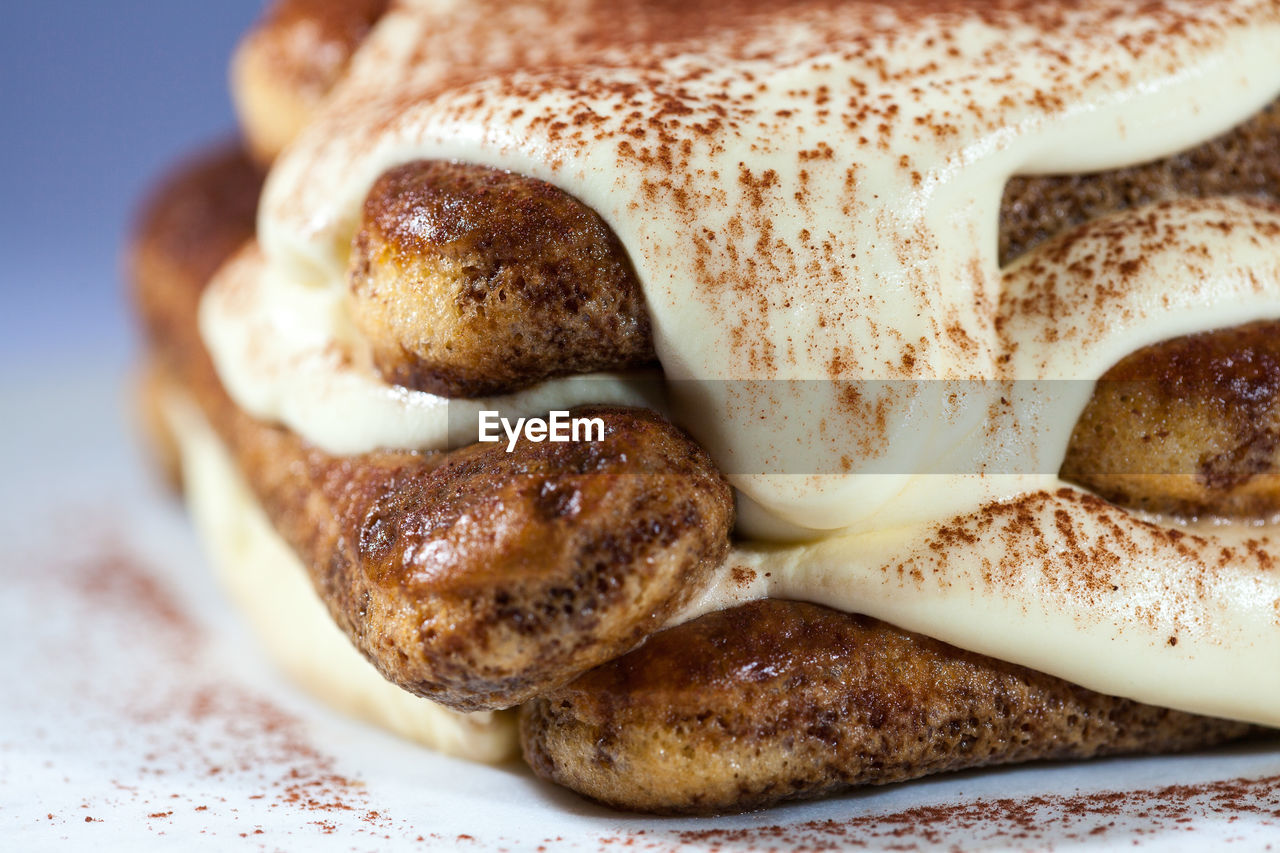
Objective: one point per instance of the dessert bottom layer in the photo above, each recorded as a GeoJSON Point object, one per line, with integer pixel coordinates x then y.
{"type": "Point", "coordinates": [270, 586]}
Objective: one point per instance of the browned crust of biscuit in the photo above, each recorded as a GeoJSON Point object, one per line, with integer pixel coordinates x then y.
{"type": "Point", "coordinates": [780, 700]}
{"type": "Point", "coordinates": [287, 64]}
{"type": "Point", "coordinates": [467, 280]}
{"type": "Point", "coordinates": [1245, 161]}
{"type": "Point", "coordinates": [479, 578]}
{"type": "Point", "coordinates": [1189, 426]}
{"type": "Point", "coordinates": [198, 215]}
{"type": "Point", "coordinates": [475, 577]}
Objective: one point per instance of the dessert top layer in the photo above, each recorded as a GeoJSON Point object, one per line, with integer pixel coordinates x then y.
{"type": "Point", "coordinates": [808, 191]}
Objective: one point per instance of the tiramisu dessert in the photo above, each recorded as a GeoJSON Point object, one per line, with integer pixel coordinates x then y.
{"type": "Point", "coordinates": [725, 403]}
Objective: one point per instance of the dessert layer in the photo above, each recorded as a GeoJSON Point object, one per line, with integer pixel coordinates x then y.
{"type": "Point", "coordinates": [779, 700]}
{"type": "Point", "coordinates": [271, 588]}
{"type": "Point", "coordinates": [816, 198]}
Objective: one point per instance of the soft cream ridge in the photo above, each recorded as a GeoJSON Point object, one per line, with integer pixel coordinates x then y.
{"type": "Point", "coordinates": [812, 193]}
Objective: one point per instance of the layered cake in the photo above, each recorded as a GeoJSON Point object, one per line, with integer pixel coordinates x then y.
{"type": "Point", "coordinates": [724, 403]}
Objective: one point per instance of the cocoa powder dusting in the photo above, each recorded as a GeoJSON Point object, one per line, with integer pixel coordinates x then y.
{"type": "Point", "coordinates": [1026, 822]}
{"type": "Point", "coordinates": [183, 722]}
{"type": "Point", "coordinates": [687, 101]}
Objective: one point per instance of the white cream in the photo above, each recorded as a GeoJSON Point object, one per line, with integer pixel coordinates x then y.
{"type": "Point", "coordinates": [1062, 583]}
{"type": "Point", "coordinates": [272, 589]}
{"type": "Point", "coordinates": [285, 352]}
{"type": "Point", "coordinates": [814, 194]}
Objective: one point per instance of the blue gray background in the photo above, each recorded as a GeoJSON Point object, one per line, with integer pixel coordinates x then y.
{"type": "Point", "coordinates": [98, 97]}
